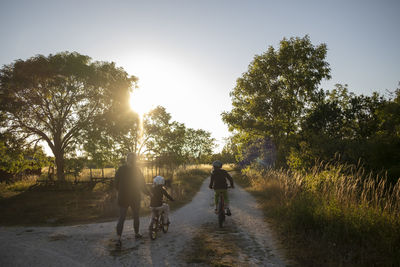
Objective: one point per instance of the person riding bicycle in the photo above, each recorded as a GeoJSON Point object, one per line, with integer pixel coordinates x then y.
{"type": "Point", "coordinates": [219, 184]}
{"type": "Point", "coordinates": [156, 200]}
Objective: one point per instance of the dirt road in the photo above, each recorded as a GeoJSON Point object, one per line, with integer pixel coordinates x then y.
{"type": "Point", "coordinates": [93, 245]}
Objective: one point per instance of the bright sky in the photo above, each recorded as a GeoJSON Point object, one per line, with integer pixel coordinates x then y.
{"type": "Point", "coordinates": [188, 54]}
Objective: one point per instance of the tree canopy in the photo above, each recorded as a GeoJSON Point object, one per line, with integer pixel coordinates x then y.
{"type": "Point", "coordinates": [55, 98]}
{"type": "Point", "coordinates": [273, 95]}
{"type": "Point", "coordinates": [164, 138]}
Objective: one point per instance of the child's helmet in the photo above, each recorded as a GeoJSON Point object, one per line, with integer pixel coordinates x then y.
{"type": "Point", "coordinates": [217, 164]}
{"type": "Point", "coordinates": [158, 180]}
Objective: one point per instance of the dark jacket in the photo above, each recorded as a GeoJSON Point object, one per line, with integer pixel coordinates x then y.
{"type": "Point", "coordinates": [218, 179]}
{"type": "Point", "coordinates": [129, 182]}
{"type": "Point", "coordinates": [157, 193]}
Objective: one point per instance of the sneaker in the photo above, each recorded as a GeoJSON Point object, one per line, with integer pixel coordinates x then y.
{"type": "Point", "coordinates": [228, 212]}
{"type": "Point", "coordinates": [138, 236]}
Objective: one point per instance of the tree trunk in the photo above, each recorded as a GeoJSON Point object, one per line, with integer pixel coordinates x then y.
{"type": "Point", "coordinates": [60, 166]}
{"type": "Point", "coordinates": [58, 152]}
{"type": "Point", "coordinates": [48, 173]}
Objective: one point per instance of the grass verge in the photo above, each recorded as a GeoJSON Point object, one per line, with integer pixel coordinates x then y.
{"type": "Point", "coordinates": [20, 204]}
{"type": "Point", "coordinates": [332, 215]}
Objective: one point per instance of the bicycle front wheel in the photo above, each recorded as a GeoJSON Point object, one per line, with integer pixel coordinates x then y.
{"type": "Point", "coordinates": [153, 230]}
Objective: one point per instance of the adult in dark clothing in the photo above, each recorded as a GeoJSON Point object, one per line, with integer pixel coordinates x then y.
{"type": "Point", "coordinates": [129, 182]}
{"type": "Point", "coordinates": [156, 201]}
{"type": "Point", "coordinates": [219, 184]}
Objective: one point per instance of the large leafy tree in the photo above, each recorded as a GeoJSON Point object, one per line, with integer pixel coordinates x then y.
{"type": "Point", "coordinates": [55, 98]}
{"type": "Point", "coordinates": [164, 138]}
{"type": "Point", "coordinates": [270, 99]}
{"type": "Point", "coordinates": [198, 145]}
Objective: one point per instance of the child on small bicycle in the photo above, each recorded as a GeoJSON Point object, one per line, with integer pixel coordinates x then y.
{"type": "Point", "coordinates": [156, 201]}
{"type": "Point", "coordinates": [219, 184]}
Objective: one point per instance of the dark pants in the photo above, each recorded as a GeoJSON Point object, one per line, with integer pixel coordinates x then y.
{"type": "Point", "coordinates": [135, 207]}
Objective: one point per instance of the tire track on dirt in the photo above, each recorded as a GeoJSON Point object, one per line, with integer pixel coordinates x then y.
{"type": "Point", "coordinates": [245, 239]}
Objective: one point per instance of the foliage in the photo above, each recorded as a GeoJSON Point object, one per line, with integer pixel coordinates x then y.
{"type": "Point", "coordinates": [18, 158]}
{"type": "Point", "coordinates": [112, 137]}
{"type": "Point", "coordinates": [228, 154]}
{"type": "Point", "coordinates": [198, 145]}
{"type": "Point", "coordinates": [354, 126]}
{"type": "Point", "coordinates": [257, 149]}
{"type": "Point", "coordinates": [301, 159]}
{"type": "Point", "coordinates": [155, 137]}
{"type": "Point", "coordinates": [270, 99]}
{"type": "Point", "coordinates": [54, 98]}
{"type": "Point", "coordinates": [75, 165]}
{"type": "Point", "coordinates": [170, 142]}
{"type": "Point", "coordinates": [281, 119]}
{"type": "Point", "coordinates": [164, 138]}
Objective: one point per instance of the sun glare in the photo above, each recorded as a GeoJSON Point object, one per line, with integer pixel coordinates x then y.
{"type": "Point", "coordinates": [160, 81]}
{"type": "Point", "coordinates": [141, 102]}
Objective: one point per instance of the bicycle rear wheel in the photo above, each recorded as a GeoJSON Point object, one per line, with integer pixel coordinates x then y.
{"type": "Point", "coordinates": [221, 211]}
{"type": "Point", "coordinates": [164, 227]}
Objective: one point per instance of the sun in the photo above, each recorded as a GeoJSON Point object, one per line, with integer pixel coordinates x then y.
{"type": "Point", "coordinates": [159, 81]}
{"type": "Point", "coordinates": [163, 81]}
{"type": "Point", "coordinates": [141, 102]}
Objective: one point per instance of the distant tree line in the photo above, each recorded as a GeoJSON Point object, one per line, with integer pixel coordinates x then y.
{"type": "Point", "coordinates": [80, 109]}
{"type": "Point", "coordinates": [281, 118]}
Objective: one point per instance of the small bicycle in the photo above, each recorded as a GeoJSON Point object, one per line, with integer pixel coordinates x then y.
{"type": "Point", "coordinates": [157, 225]}
{"type": "Point", "coordinates": [221, 209]}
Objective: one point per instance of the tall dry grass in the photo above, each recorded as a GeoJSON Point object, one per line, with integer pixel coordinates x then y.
{"type": "Point", "coordinates": [359, 213]}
